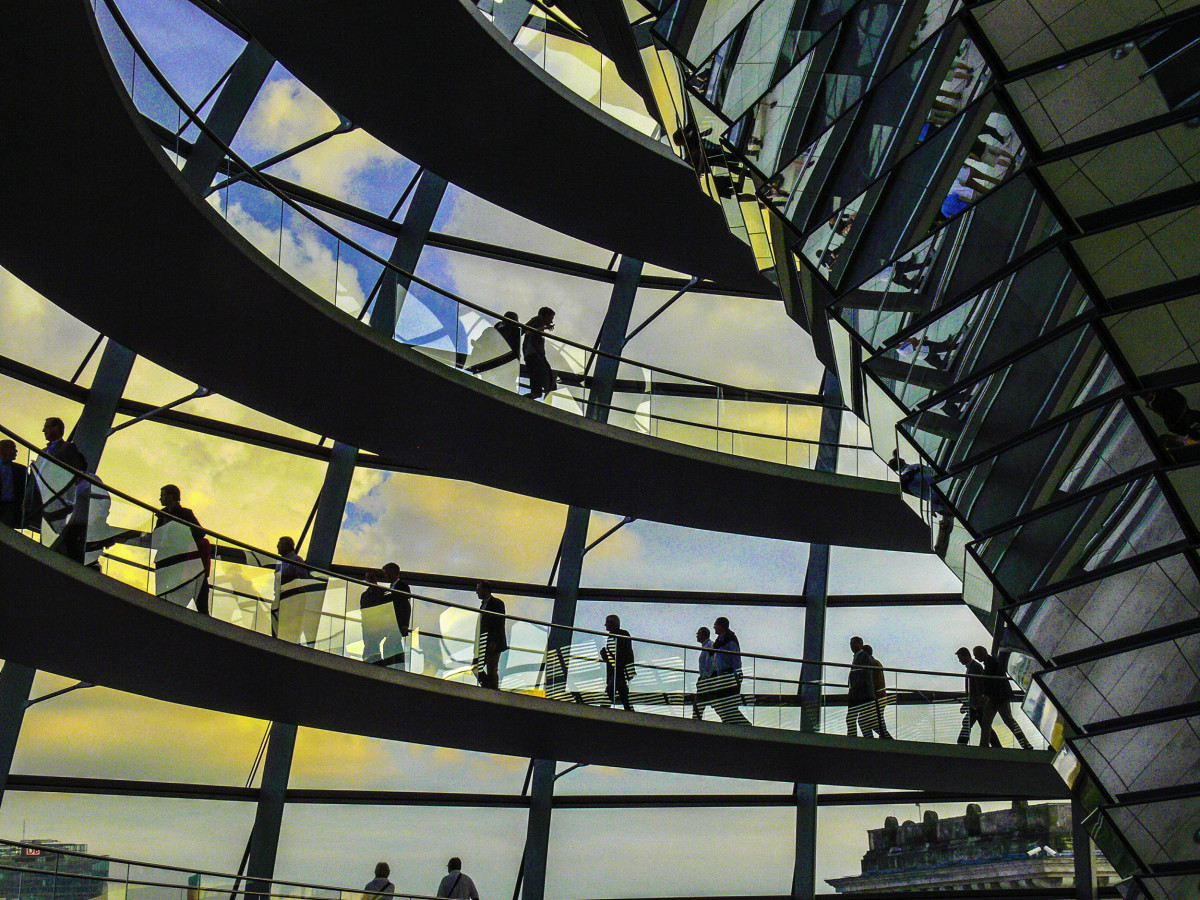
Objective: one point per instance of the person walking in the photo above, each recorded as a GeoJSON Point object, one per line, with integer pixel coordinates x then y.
{"type": "Point", "coordinates": [384, 629]}
{"type": "Point", "coordinates": [727, 674]}
{"type": "Point", "coordinates": [997, 699]}
{"type": "Point", "coordinates": [704, 667]}
{"type": "Point", "coordinates": [457, 884]}
{"type": "Point", "coordinates": [860, 698]}
{"type": "Point", "coordinates": [879, 683]}
{"type": "Point", "coordinates": [618, 660]}
{"type": "Point", "coordinates": [50, 489]}
{"type": "Point", "coordinates": [379, 885]}
{"type": "Point", "coordinates": [972, 707]}
{"type": "Point", "coordinates": [541, 376]}
{"type": "Point", "coordinates": [182, 552]}
{"type": "Point", "coordinates": [12, 485]}
{"type": "Point", "coordinates": [491, 640]}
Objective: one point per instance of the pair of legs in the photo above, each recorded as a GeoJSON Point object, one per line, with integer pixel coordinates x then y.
{"type": "Point", "coordinates": [726, 698]}
{"type": "Point", "coordinates": [487, 669]}
{"type": "Point", "coordinates": [1003, 709]}
{"type": "Point", "coordinates": [383, 644]}
{"type": "Point", "coordinates": [861, 713]}
{"type": "Point", "coordinates": [541, 376]}
{"type": "Point", "coordinates": [617, 687]}
{"type": "Point", "coordinates": [970, 717]}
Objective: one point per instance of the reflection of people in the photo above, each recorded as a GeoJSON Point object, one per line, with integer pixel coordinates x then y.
{"type": "Point", "coordinates": [618, 660]}
{"type": "Point", "coordinates": [726, 690]}
{"type": "Point", "coordinates": [457, 884]}
{"type": "Point", "coordinates": [12, 485]}
{"type": "Point", "coordinates": [972, 707]}
{"type": "Point", "coordinates": [491, 640]}
{"type": "Point", "coordinates": [386, 612]}
{"type": "Point", "coordinates": [997, 699]}
{"type": "Point", "coordinates": [704, 673]}
{"type": "Point", "coordinates": [541, 376]}
{"type": "Point", "coordinates": [495, 354]}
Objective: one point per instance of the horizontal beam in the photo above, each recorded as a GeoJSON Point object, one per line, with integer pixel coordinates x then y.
{"type": "Point", "coordinates": [55, 784]}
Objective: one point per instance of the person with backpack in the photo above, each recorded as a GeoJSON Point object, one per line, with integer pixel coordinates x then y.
{"type": "Point", "coordinates": [457, 884]}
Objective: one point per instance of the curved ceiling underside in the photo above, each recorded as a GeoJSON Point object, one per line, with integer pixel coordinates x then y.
{"type": "Point", "coordinates": [435, 82]}
{"type": "Point", "coordinates": [108, 633]}
{"type": "Point", "coordinates": [97, 219]}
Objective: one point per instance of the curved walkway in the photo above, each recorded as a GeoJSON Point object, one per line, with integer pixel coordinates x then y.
{"type": "Point", "coordinates": [505, 129]}
{"type": "Point", "coordinates": [97, 219]}
{"type": "Point", "coordinates": [108, 633]}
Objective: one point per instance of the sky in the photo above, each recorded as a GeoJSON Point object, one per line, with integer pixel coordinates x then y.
{"type": "Point", "coordinates": [441, 526]}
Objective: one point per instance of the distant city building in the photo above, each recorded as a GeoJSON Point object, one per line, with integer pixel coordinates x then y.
{"type": "Point", "coordinates": [1022, 847]}
{"type": "Point", "coordinates": [39, 871]}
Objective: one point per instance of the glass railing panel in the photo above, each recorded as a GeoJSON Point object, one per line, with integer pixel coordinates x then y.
{"type": "Point", "coordinates": [343, 261]}
{"type": "Point", "coordinates": [441, 633]}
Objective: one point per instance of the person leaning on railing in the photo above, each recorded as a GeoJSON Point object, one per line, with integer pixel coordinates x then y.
{"type": "Point", "coordinates": [379, 885]}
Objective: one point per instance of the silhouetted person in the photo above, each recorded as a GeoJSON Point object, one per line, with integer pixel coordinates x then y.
{"type": "Point", "coordinates": [386, 612]}
{"type": "Point", "coordinates": [457, 884]}
{"type": "Point", "coordinates": [879, 683]}
{"type": "Point", "coordinates": [704, 676]}
{"type": "Point", "coordinates": [972, 709]}
{"type": "Point", "coordinates": [727, 674]}
{"type": "Point", "coordinates": [860, 698]}
{"type": "Point", "coordinates": [997, 699]}
{"type": "Point", "coordinates": [12, 485]}
{"type": "Point", "coordinates": [492, 639]}
{"type": "Point", "coordinates": [184, 583]}
{"type": "Point", "coordinates": [49, 489]}
{"type": "Point", "coordinates": [380, 884]}
{"type": "Point", "coordinates": [287, 610]}
{"type": "Point", "coordinates": [541, 376]}
{"type": "Point", "coordinates": [618, 660]}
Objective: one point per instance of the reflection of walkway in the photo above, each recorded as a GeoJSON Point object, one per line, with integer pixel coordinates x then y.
{"type": "Point", "coordinates": [236, 671]}
{"type": "Point", "coordinates": [230, 319]}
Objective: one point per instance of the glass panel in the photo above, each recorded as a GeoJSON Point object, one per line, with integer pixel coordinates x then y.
{"type": "Point", "coordinates": [1158, 594]}
{"type": "Point", "coordinates": [1085, 536]}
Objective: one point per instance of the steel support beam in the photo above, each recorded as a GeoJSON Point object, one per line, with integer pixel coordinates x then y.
{"type": "Point", "coordinates": [422, 209]}
{"type": "Point", "coordinates": [16, 681]}
{"type": "Point", "coordinates": [566, 589]}
{"type": "Point", "coordinates": [327, 523]}
{"type": "Point", "coordinates": [816, 592]}
{"type": "Point", "coordinates": [95, 422]}
{"type": "Point", "coordinates": [1085, 861]}
{"type": "Point", "coordinates": [229, 110]}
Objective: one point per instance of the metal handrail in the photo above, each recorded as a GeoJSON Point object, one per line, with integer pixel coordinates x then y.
{"type": "Point", "coordinates": [169, 868]}
{"type": "Point", "coordinates": [330, 574]}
